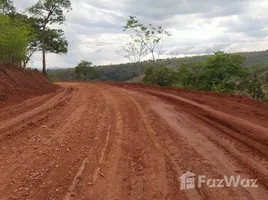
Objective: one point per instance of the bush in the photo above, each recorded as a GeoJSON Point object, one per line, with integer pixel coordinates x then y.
{"type": "Point", "coordinates": [14, 38]}
{"type": "Point", "coordinates": [162, 76]}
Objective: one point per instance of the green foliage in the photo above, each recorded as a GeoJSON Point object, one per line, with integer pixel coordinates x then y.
{"type": "Point", "coordinates": [21, 36]}
{"type": "Point", "coordinates": [55, 41]}
{"type": "Point", "coordinates": [189, 74]}
{"type": "Point", "coordinates": [222, 72]}
{"type": "Point", "coordinates": [14, 38]}
{"type": "Point", "coordinates": [165, 76]}
{"type": "Point", "coordinates": [162, 76]}
{"type": "Point", "coordinates": [219, 70]}
{"type": "Point", "coordinates": [7, 7]}
{"type": "Point", "coordinates": [219, 73]}
{"type": "Point", "coordinates": [255, 82]}
{"type": "Point", "coordinates": [150, 75]}
{"type": "Point", "coordinates": [48, 12]}
{"type": "Point", "coordinates": [194, 73]}
{"type": "Point", "coordinates": [85, 71]}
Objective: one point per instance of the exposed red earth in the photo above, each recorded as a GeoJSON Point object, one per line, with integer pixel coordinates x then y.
{"type": "Point", "coordinates": [18, 84]}
{"type": "Point", "coordinates": [127, 141]}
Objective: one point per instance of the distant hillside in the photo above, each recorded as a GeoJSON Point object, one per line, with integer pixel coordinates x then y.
{"type": "Point", "coordinates": [128, 71]}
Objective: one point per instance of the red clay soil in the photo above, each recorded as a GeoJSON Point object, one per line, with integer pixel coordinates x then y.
{"type": "Point", "coordinates": [128, 142]}
{"type": "Point", "coordinates": [242, 106]}
{"type": "Point", "coordinates": [18, 84]}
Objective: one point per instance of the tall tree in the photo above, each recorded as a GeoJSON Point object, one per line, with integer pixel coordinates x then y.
{"type": "Point", "coordinates": [49, 12]}
{"type": "Point", "coordinates": [55, 42]}
{"type": "Point", "coordinates": [150, 36]}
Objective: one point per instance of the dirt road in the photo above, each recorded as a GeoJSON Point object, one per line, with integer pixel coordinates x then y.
{"type": "Point", "coordinates": [114, 141]}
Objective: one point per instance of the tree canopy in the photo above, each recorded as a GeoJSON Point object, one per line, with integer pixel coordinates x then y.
{"type": "Point", "coordinates": [22, 35]}
{"type": "Point", "coordinates": [85, 71]}
{"type": "Point", "coordinates": [48, 12]}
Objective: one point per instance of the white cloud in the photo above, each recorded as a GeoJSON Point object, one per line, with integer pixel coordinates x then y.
{"type": "Point", "coordinates": [94, 27]}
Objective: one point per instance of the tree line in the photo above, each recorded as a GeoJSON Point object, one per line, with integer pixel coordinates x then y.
{"type": "Point", "coordinates": [221, 72]}
{"type": "Point", "coordinates": [24, 34]}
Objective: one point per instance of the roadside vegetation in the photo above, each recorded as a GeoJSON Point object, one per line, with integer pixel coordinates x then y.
{"type": "Point", "coordinates": [24, 34]}
{"type": "Point", "coordinates": [221, 72]}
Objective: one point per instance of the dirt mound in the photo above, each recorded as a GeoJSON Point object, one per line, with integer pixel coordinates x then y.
{"type": "Point", "coordinates": [17, 84]}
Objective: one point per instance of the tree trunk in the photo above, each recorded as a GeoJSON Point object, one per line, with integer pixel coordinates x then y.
{"type": "Point", "coordinates": [24, 64]}
{"type": "Point", "coordinates": [139, 69]}
{"type": "Point", "coordinates": [153, 56]}
{"type": "Point", "coordinates": [44, 53]}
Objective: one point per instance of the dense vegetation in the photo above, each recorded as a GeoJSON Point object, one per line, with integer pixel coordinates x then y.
{"type": "Point", "coordinates": [85, 71]}
{"type": "Point", "coordinates": [221, 72]}
{"type": "Point", "coordinates": [128, 71]}
{"type": "Point", "coordinates": [14, 35]}
{"type": "Point", "coordinates": [22, 35]}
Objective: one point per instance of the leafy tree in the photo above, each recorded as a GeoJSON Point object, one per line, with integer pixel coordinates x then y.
{"type": "Point", "coordinates": [162, 76]}
{"type": "Point", "coordinates": [255, 82]}
{"type": "Point", "coordinates": [188, 74]}
{"type": "Point", "coordinates": [86, 71]}
{"type": "Point", "coordinates": [7, 7]}
{"type": "Point", "coordinates": [165, 76]}
{"type": "Point", "coordinates": [148, 36]}
{"type": "Point", "coordinates": [220, 70]}
{"type": "Point", "coordinates": [49, 12]}
{"type": "Point", "coordinates": [150, 75]}
{"type": "Point", "coordinates": [29, 22]}
{"type": "Point", "coordinates": [55, 41]}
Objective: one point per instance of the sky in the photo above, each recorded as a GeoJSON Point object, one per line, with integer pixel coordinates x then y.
{"type": "Point", "coordinates": [94, 28]}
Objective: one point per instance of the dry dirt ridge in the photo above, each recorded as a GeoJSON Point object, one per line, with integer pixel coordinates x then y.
{"type": "Point", "coordinates": [125, 141]}
{"type": "Point", "coordinates": [18, 84]}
